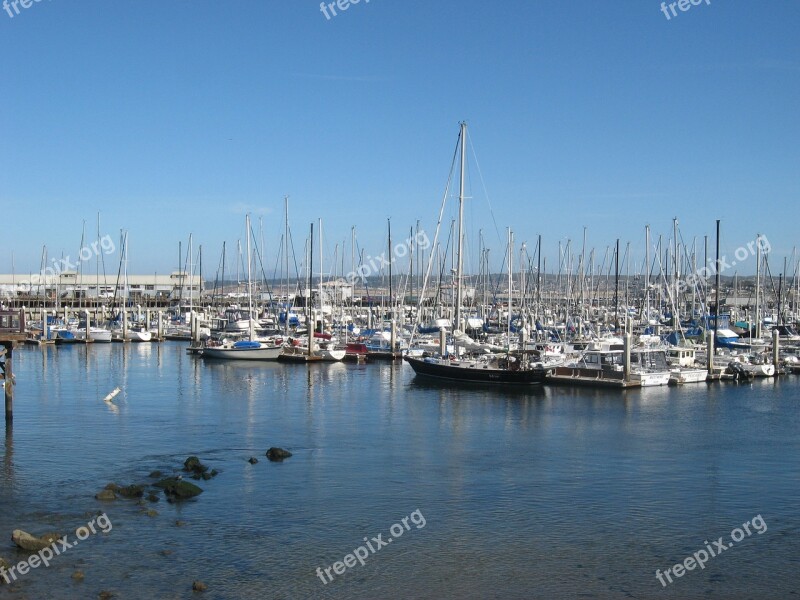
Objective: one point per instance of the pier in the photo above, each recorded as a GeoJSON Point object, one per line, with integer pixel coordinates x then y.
{"type": "Point", "coordinates": [12, 331]}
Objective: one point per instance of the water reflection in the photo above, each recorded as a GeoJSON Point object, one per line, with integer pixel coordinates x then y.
{"type": "Point", "coordinates": [517, 483]}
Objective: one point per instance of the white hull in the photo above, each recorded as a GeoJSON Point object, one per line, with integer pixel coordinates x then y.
{"type": "Point", "coordinates": [332, 355]}
{"type": "Point", "coordinates": [230, 353]}
{"type": "Point", "coordinates": [133, 336]}
{"type": "Point", "coordinates": [100, 335]}
{"type": "Point", "coordinates": [760, 370]}
{"type": "Point", "coordinates": [652, 379]}
{"type": "Point", "coordinates": [681, 376]}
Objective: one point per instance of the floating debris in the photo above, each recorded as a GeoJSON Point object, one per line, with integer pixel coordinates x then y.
{"type": "Point", "coordinates": [112, 395]}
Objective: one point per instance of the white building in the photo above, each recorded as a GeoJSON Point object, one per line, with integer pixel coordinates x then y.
{"type": "Point", "coordinates": [72, 285]}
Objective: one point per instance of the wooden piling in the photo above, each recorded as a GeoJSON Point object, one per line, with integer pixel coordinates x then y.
{"type": "Point", "coordinates": [12, 331]}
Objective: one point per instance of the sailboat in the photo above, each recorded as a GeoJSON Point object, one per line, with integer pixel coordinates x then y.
{"type": "Point", "coordinates": [252, 348]}
{"type": "Point", "coordinates": [508, 368]}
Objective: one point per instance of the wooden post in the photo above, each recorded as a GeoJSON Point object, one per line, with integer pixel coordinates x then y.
{"type": "Point", "coordinates": [776, 350]}
{"type": "Point", "coordinates": [710, 351]}
{"type": "Point", "coordinates": [9, 383]}
{"type": "Point", "coordinates": [626, 364]}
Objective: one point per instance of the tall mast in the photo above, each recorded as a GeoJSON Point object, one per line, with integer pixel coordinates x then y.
{"type": "Point", "coordinates": [460, 262]}
{"type": "Point", "coordinates": [191, 275]}
{"type": "Point", "coordinates": [391, 291]}
{"type": "Point", "coordinates": [616, 290]}
{"type": "Point", "coordinates": [286, 259]}
{"type": "Point", "coordinates": [249, 281]}
{"type": "Point", "coordinates": [223, 272]}
{"type": "Point", "coordinates": [647, 272]}
{"type": "Point", "coordinates": [716, 300]}
{"type": "Point", "coordinates": [539, 277]}
{"type": "Point", "coordinates": [510, 285]}
{"type": "Point", "coordinates": [758, 286]}
{"type": "Point", "coordinates": [676, 276]}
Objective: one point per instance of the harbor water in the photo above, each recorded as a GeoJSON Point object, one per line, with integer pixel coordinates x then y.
{"type": "Point", "coordinates": [549, 492]}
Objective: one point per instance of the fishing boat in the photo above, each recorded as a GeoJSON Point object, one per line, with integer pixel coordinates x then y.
{"type": "Point", "coordinates": [649, 366]}
{"type": "Point", "coordinates": [684, 367]}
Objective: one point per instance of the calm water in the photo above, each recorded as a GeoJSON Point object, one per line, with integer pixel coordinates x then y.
{"type": "Point", "coordinates": [549, 493]}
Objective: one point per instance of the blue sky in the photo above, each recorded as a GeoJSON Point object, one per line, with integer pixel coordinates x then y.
{"type": "Point", "coordinates": [176, 117]}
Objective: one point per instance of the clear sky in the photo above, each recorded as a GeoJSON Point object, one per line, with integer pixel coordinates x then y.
{"type": "Point", "coordinates": [172, 117]}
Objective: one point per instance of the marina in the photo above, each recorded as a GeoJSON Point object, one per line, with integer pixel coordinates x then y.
{"type": "Point", "coordinates": [426, 301]}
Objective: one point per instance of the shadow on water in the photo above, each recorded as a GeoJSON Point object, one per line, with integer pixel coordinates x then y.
{"type": "Point", "coordinates": [418, 383]}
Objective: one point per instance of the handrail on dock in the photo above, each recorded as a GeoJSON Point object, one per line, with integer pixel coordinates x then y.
{"type": "Point", "coordinates": [12, 321]}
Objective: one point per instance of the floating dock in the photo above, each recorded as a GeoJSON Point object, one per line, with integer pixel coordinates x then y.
{"type": "Point", "coordinates": [591, 378]}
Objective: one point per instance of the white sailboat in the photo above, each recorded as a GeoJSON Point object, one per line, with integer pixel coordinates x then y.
{"type": "Point", "coordinates": [252, 348]}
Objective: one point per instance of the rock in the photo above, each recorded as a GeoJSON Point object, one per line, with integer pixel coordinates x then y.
{"type": "Point", "coordinates": [155, 474]}
{"type": "Point", "coordinates": [31, 543]}
{"type": "Point", "coordinates": [105, 495]}
{"type": "Point", "coordinates": [104, 595]}
{"type": "Point", "coordinates": [151, 513]}
{"type": "Point", "coordinates": [177, 489]}
{"type": "Point", "coordinates": [153, 497]}
{"type": "Point", "coordinates": [206, 476]}
{"type": "Point", "coordinates": [252, 460]}
{"type": "Point", "coordinates": [111, 486]}
{"type": "Point", "coordinates": [194, 465]}
{"type": "Point", "coordinates": [3, 563]}
{"type": "Point", "coordinates": [277, 454]}
{"type": "Point", "coordinates": [166, 552]}
{"type": "Point", "coordinates": [199, 586]}
{"type": "Point", "coordinates": [78, 576]}
{"type": "Point", "coordinates": [214, 472]}
{"type": "Point", "coordinates": [131, 491]}
{"type": "Point", "coordinates": [180, 523]}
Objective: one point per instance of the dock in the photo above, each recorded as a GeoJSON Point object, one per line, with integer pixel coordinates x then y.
{"type": "Point", "coordinates": [590, 377]}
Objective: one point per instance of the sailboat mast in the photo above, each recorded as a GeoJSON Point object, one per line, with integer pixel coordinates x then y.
{"type": "Point", "coordinates": [286, 259]}
{"type": "Point", "coordinates": [716, 299]}
{"type": "Point", "coordinates": [758, 286]}
{"type": "Point", "coordinates": [249, 281]}
{"type": "Point", "coordinates": [391, 291]}
{"type": "Point", "coordinates": [647, 273]}
{"type": "Point", "coordinates": [460, 261]}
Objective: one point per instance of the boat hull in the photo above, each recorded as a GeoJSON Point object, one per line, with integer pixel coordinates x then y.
{"type": "Point", "coordinates": [688, 375]}
{"type": "Point", "coordinates": [651, 379]}
{"type": "Point", "coordinates": [242, 353]}
{"type": "Point", "coordinates": [477, 374]}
